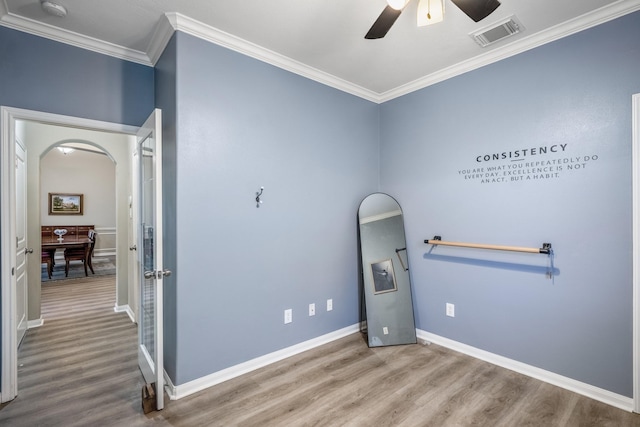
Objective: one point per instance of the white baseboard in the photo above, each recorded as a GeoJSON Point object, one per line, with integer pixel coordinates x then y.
{"type": "Point", "coordinates": [596, 393]}
{"type": "Point", "coordinates": [35, 323]}
{"type": "Point", "coordinates": [168, 385]}
{"type": "Point", "coordinates": [125, 309]}
{"type": "Point", "coordinates": [186, 389]}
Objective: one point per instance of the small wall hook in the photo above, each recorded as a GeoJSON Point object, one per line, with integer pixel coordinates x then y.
{"type": "Point", "coordinates": [258, 194]}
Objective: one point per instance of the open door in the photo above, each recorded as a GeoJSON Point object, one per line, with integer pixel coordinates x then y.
{"type": "Point", "coordinates": [150, 328]}
{"type": "Point", "coordinates": [13, 260]}
{"type": "Point", "coordinates": [22, 251]}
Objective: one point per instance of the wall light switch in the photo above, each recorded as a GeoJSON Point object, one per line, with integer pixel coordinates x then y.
{"type": "Point", "coordinates": [312, 309]}
{"type": "Point", "coordinates": [329, 304]}
{"type": "Point", "coordinates": [288, 316]}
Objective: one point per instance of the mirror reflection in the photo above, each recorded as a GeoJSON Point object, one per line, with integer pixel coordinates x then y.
{"type": "Point", "coordinates": [386, 285]}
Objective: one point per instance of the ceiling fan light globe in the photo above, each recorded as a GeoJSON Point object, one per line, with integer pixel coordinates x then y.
{"type": "Point", "coordinates": [430, 12]}
{"type": "Point", "coordinates": [397, 4]}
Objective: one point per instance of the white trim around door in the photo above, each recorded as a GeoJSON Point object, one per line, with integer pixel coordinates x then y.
{"type": "Point", "coordinates": [8, 118]}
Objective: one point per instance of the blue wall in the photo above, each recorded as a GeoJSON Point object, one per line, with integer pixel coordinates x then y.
{"type": "Point", "coordinates": [42, 75]}
{"type": "Point", "coordinates": [575, 91]}
{"type": "Point", "coordinates": [243, 124]}
{"type": "Point", "coordinates": [166, 82]}
{"type": "Point", "coordinates": [233, 124]}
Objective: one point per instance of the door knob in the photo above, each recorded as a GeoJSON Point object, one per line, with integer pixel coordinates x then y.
{"type": "Point", "coordinates": [158, 274]}
{"type": "Point", "coordinates": [133, 248]}
{"type": "Point", "coordinates": [28, 251]}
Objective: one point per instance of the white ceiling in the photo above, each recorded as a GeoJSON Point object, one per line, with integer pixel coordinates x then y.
{"type": "Point", "coordinates": [321, 39]}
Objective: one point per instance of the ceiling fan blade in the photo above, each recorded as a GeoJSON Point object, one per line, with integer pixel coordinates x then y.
{"type": "Point", "coordinates": [477, 9]}
{"type": "Point", "coordinates": [384, 22]}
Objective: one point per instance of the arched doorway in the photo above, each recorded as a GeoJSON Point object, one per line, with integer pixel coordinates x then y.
{"type": "Point", "coordinates": [86, 171]}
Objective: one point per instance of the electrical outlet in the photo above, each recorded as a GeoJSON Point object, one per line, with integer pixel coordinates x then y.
{"type": "Point", "coordinates": [288, 316]}
{"type": "Point", "coordinates": [451, 310]}
{"type": "Point", "coordinates": [329, 304]}
{"type": "Point", "coordinates": [385, 330]}
{"type": "Point", "coordinates": [312, 309]}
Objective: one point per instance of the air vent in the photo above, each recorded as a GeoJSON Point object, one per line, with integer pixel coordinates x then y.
{"type": "Point", "coordinates": [496, 32]}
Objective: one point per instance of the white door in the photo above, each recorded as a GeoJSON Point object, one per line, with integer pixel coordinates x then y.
{"type": "Point", "coordinates": [150, 328]}
{"type": "Point", "coordinates": [22, 252]}
{"type": "Point", "coordinates": [134, 262]}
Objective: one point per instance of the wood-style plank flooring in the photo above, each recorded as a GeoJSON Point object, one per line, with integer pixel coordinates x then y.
{"type": "Point", "coordinates": [80, 369]}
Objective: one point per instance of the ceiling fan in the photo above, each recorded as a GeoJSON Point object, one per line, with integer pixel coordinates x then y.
{"type": "Point", "coordinates": [429, 12]}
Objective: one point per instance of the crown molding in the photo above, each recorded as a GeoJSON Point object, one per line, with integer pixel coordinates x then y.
{"type": "Point", "coordinates": [597, 17]}
{"type": "Point", "coordinates": [47, 31]}
{"type": "Point", "coordinates": [379, 217]}
{"type": "Point", "coordinates": [197, 29]}
{"type": "Point", "coordinates": [178, 22]}
{"type": "Point", "coordinates": [161, 35]}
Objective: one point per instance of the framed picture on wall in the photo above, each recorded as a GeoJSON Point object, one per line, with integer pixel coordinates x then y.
{"type": "Point", "coordinates": [384, 279]}
{"type": "Point", "coordinates": [65, 204]}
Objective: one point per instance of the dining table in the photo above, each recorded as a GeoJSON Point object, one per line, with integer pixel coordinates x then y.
{"type": "Point", "coordinates": [51, 243]}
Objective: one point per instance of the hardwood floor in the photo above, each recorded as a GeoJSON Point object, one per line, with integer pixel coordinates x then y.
{"type": "Point", "coordinates": [80, 369]}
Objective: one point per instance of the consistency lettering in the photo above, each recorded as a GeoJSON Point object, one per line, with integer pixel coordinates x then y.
{"type": "Point", "coordinates": [521, 154]}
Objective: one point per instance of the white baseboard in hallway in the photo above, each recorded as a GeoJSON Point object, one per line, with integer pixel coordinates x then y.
{"type": "Point", "coordinates": [125, 309]}
{"type": "Point", "coordinates": [35, 323]}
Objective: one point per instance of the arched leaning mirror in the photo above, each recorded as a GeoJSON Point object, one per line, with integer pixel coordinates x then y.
{"type": "Point", "coordinates": [386, 287]}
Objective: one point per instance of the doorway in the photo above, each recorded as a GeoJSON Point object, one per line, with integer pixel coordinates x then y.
{"type": "Point", "coordinates": [84, 172]}
{"type": "Point", "coordinates": [65, 125]}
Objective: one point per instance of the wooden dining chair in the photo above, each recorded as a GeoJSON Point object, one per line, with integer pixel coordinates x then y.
{"type": "Point", "coordinates": [80, 253]}
{"type": "Point", "coordinates": [92, 237]}
{"type": "Point", "coordinates": [47, 258]}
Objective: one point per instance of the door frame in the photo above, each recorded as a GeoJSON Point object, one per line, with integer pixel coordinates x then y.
{"type": "Point", "coordinates": [8, 118]}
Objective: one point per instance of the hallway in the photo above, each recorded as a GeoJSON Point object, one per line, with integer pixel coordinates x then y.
{"type": "Point", "coordinates": [80, 367]}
